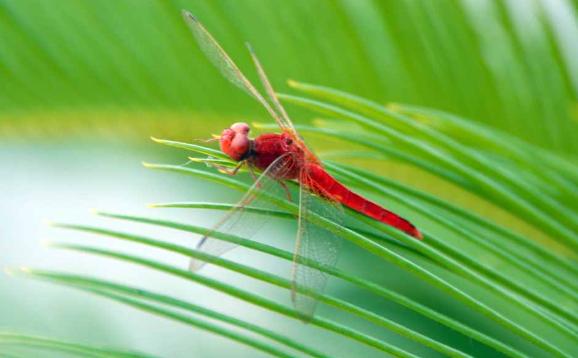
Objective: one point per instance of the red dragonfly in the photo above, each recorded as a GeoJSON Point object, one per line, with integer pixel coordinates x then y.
{"type": "Point", "coordinates": [283, 157]}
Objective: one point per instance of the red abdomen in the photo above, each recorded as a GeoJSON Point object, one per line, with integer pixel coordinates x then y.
{"type": "Point", "coordinates": [324, 184]}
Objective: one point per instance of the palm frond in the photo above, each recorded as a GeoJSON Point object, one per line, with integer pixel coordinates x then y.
{"type": "Point", "coordinates": [449, 255]}
{"type": "Point", "coordinates": [86, 63]}
{"type": "Point", "coordinates": [480, 122]}
{"type": "Point", "coordinates": [43, 344]}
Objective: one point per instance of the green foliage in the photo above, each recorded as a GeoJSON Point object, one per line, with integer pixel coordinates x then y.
{"type": "Point", "coordinates": [541, 303]}
{"type": "Point", "coordinates": [500, 281]}
{"type": "Point", "coordinates": [9, 340]}
{"type": "Point", "coordinates": [76, 65]}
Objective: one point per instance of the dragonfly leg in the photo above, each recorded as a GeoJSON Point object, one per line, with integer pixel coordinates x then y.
{"type": "Point", "coordinates": [252, 172]}
{"type": "Point", "coordinates": [226, 170]}
{"type": "Point", "coordinates": [254, 176]}
{"type": "Point", "coordinates": [286, 188]}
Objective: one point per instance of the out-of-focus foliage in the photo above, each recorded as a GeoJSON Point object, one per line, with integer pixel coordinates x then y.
{"type": "Point", "coordinates": [493, 185]}
{"type": "Point", "coordinates": [131, 67]}
{"type": "Point", "coordinates": [11, 345]}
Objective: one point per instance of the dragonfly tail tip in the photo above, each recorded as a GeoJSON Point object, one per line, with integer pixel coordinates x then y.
{"type": "Point", "coordinates": [418, 235]}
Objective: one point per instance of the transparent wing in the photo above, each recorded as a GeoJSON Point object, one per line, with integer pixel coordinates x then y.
{"type": "Point", "coordinates": [284, 122]}
{"type": "Point", "coordinates": [236, 221]}
{"type": "Point", "coordinates": [313, 243]}
{"type": "Point", "coordinates": [224, 63]}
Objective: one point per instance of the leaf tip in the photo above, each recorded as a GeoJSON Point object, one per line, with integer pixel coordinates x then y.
{"type": "Point", "coordinates": [46, 243]}
{"type": "Point", "coordinates": [392, 106]}
{"type": "Point", "coordinates": [292, 83]}
{"type": "Point", "coordinates": [48, 222]}
{"type": "Point", "coordinates": [9, 271]}
{"type": "Point", "coordinates": [13, 271]}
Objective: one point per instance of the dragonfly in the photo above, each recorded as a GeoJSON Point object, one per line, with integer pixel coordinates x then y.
{"type": "Point", "coordinates": [280, 158]}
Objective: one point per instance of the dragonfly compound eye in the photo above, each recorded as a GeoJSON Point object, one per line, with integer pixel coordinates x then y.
{"type": "Point", "coordinates": [234, 144]}
{"type": "Point", "coordinates": [241, 127]}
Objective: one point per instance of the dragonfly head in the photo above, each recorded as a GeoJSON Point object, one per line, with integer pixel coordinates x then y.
{"type": "Point", "coordinates": [235, 141]}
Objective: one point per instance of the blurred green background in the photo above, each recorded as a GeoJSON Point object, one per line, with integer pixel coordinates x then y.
{"type": "Point", "coordinates": [130, 67]}
{"type": "Point", "coordinates": [84, 84]}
